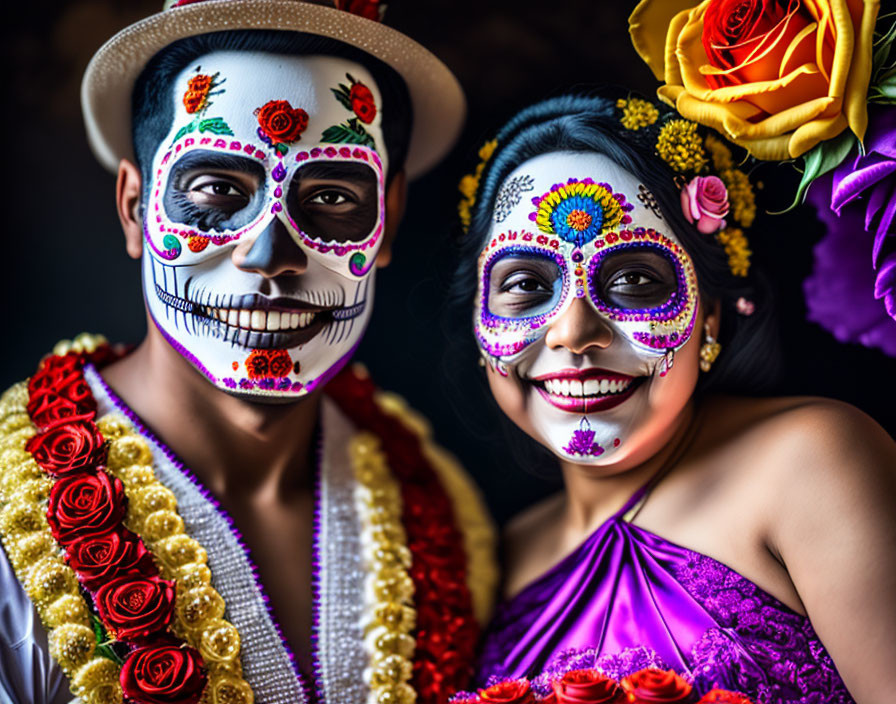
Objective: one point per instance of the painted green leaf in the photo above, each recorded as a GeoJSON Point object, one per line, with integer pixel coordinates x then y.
{"type": "Point", "coordinates": [281, 148]}
{"type": "Point", "coordinates": [349, 133]}
{"type": "Point", "coordinates": [215, 125]}
{"type": "Point", "coordinates": [823, 158]}
{"type": "Point", "coordinates": [342, 94]}
{"type": "Point", "coordinates": [186, 129]}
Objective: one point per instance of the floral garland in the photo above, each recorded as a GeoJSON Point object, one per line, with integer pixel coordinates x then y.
{"type": "Point", "coordinates": [81, 504]}
{"type": "Point", "coordinates": [390, 616]}
{"type": "Point", "coordinates": [591, 686]}
{"type": "Point", "coordinates": [446, 628]}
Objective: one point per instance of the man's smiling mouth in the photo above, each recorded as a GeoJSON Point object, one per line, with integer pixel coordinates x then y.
{"type": "Point", "coordinates": [585, 390]}
{"type": "Point", "coordinates": [256, 321]}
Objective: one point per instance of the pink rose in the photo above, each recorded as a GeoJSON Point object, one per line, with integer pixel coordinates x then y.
{"type": "Point", "coordinates": [705, 201]}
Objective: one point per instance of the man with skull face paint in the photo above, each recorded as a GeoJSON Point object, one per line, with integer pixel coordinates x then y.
{"type": "Point", "coordinates": [285, 533]}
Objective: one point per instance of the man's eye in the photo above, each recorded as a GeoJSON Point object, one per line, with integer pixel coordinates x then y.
{"type": "Point", "coordinates": [218, 188]}
{"type": "Point", "coordinates": [329, 198]}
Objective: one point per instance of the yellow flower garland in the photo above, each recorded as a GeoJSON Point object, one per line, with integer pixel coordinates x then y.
{"type": "Point", "coordinates": [389, 616]}
{"type": "Point", "coordinates": [152, 514]}
{"type": "Point", "coordinates": [37, 559]}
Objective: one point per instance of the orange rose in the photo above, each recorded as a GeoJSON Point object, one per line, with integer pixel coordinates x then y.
{"type": "Point", "coordinates": [776, 77]}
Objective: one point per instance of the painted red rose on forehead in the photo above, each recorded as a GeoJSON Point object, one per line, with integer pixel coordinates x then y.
{"type": "Point", "coordinates": [279, 123]}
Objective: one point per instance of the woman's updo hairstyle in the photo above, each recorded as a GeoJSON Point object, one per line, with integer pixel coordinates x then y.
{"type": "Point", "coordinates": [632, 131]}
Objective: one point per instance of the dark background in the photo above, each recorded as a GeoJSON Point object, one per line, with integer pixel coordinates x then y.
{"type": "Point", "coordinates": [63, 268]}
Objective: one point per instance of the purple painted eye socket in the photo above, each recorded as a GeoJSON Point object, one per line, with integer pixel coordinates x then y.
{"type": "Point", "coordinates": [523, 283]}
{"type": "Point", "coordinates": [637, 281]}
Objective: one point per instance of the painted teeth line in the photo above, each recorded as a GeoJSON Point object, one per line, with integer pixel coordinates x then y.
{"type": "Point", "coordinates": [270, 320]}
{"type": "Point", "coordinates": [173, 301]}
{"type": "Point", "coordinates": [591, 387]}
{"type": "Point", "coordinates": [349, 312]}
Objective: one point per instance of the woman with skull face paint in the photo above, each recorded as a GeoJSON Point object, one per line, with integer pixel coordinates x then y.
{"type": "Point", "coordinates": [611, 307]}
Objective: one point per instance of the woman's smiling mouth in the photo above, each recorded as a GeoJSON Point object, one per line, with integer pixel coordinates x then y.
{"type": "Point", "coordinates": [585, 390]}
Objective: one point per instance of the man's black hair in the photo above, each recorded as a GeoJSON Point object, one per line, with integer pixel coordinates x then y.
{"type": "Point", "coordinates": [152, 108]}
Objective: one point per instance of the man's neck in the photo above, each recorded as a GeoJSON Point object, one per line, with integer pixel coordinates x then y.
{"type": "Point", "coordinates": [237, 448]}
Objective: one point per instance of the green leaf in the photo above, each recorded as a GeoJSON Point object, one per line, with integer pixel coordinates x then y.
{"type": "Point", "coordinates": [186, 129]}
{"type": "Point", "coordinates": [106, 651]}
{"type": "Point", "coordinates": [342, 94]}
{"type": "Point", "coordinates": [825, 157]}
{"type": "Point", "coordinates": [215, 125]}
{"type": "Point", "coordinates": [99, 631]}
{"type": "Point", "coordinates": [348, 134]}
{"type": "Point", "coordinates": [281, 148]}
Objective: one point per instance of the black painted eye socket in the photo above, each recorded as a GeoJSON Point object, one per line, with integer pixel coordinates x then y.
{"type": "Point", "coordinates": [636, 277]}
{"type": "Point", "coordinates": [211, 191]}
{"type": "Point", "coordinates": [334, 201]}
{"type": "Point", "coordinates": [522, 285]}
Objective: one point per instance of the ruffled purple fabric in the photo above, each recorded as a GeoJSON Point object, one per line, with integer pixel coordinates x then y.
{"type": "Point", "coordinates": [852, 289]}
{"type": "Point", "coordinates": [628, 599]}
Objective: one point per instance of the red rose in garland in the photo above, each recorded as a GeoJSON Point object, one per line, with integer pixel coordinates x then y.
{"type": "Point", "coordinates": [55, 372]}
{"type": "Point", "coordinates": [165, 674]}
{"type": "Point", "coordinates": [68, 448]}
{"type": "Point", "coordinates": [134, 607]}
{"type": "Point", "coordinates": [723, 696]}
{"type": "Point", "coordinates": [85, 505]}
{"type": "Point", "coordinates": [509, 692]}
{"type": "Point", "coordinates": [98, 559]}
{"type": "Point", "coordinates": [362, 102]}
{"type": "Point", "coordinates": [652, 685]}
{"type": "Point", "coordinates": [588, 687]}
{"type": "Point", "coordinates": [281, 123]}
{"type": "Point", "coordinates": [47, 408]}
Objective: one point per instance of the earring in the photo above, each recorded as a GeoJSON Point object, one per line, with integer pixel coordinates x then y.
{"type": "Point", "coordinates": [481, 362]}
{"type": "Point", "coordinates": [709, 350]}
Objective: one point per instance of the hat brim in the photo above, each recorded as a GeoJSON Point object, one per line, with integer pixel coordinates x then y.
{"type": "Point", "coordinates": [436, 96]}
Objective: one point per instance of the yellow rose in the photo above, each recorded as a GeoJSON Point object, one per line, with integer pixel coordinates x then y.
{"type": "Point", "coordinates": [776, 77]}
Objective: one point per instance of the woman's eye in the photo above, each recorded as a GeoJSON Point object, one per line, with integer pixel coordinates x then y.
{"type": "Point", "coordinates": [632, 278]}
{"type": "Point", "coordinates": [524, 283]}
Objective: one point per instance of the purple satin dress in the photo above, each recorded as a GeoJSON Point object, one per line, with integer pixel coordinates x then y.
{"type": "Point", "coordinates": [627, 599]}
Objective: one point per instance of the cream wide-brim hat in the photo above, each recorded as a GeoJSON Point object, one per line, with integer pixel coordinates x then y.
{"type": "Point", "coordinates": [436, 96]}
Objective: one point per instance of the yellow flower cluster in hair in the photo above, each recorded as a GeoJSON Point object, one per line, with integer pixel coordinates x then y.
{"type": "Point", "coordinates": [741, 196]}
{"type": "Point", "coordinates": [469, 184]}
{"type": "Point", "coordinates": [37, 558]}
{"type": "Point", "coordinates": [737, 249]}
{"type": "Point", "coordinates": [152, 514]}
{"type": "Point", "coordinates": [389, 617]}
{"type": "Point", "coordinates": [637, 113]}
{"type": "Point", "coordinates": [472, 517]}
{"type": "Point", "coordinates": [680, 146]}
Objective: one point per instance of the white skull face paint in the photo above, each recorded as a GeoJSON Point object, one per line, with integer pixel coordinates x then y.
{"type": "Point", "coordinates": [284, 157]}
{"type": "Point", "coordinates": [570, 226]}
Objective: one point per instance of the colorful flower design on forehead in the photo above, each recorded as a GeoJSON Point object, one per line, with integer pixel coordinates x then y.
{"type": "Point", "coordinates": [578, 211]}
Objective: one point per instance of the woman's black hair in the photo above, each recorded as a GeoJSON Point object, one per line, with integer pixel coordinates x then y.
{"type": "Point", "coordinates": [749, 362]}
{"type": "Point", "coordinates": [152, 109]}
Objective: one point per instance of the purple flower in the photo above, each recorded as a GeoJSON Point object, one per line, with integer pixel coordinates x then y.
{"type": "Point", "coordinates": [582, 442]}
{"type": "Point", "coordinates": [843, 286]}
{"type": "Point", "coordinates": [869, 182]}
